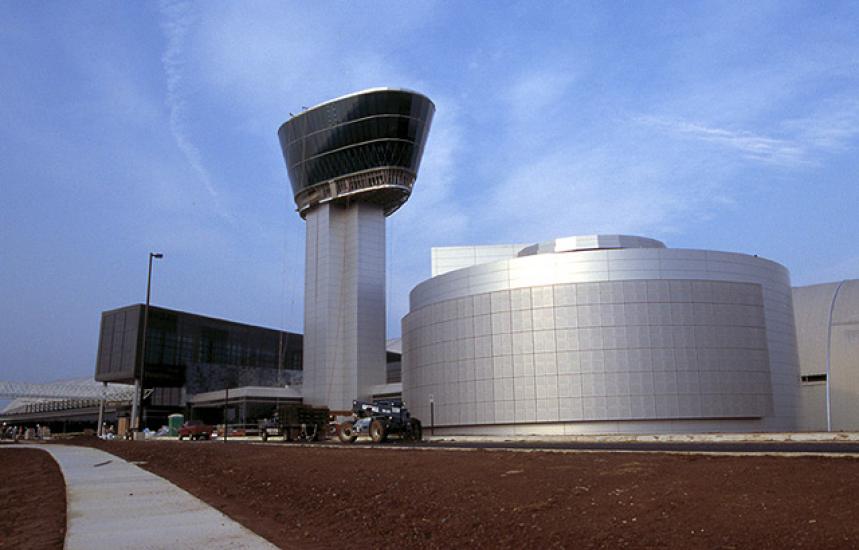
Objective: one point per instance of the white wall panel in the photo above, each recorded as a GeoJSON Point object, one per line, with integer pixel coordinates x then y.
{"type": "Point", "coordinates": [344, 346]}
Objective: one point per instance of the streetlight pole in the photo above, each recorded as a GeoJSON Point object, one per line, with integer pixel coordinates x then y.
{"type": "Point", "coordinates": [828, 358]}
{"type": "Point", "coordinates": [139, 394]}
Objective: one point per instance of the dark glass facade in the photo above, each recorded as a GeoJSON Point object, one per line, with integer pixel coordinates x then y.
{"type": "Point", "coordinates": [119, 345]}
{"type": "Point", "coordinates": [198, 353]}
{"type": "Point", "coordinates": [186, 355]}
{"type": "Point", "coordinates": [365, 131]}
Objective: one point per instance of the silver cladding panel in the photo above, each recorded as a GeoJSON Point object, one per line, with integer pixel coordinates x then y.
{"type": "Point", "coordinates": [451, 258]}
{"type": "Point", "coordinates": [811, 306]}
{"type": "Point", "coordinates": [344, 311]}
{"type": "Point", "coordinates": [591, 242]}
{"type": "Point", "coordinates": [612, 340]}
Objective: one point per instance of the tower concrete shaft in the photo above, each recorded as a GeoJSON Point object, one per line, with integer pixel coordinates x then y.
{"type": "Point", "coordinates": [344, 308]}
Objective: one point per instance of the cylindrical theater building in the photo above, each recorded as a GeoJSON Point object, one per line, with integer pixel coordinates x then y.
{"type": "Point", "coordinates": [601, 334]}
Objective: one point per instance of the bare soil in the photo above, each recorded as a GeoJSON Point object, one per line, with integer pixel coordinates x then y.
{"type": "Point", "coordinates": [371, 497]}
{"type": "Point", "coordinates": [32, 500]}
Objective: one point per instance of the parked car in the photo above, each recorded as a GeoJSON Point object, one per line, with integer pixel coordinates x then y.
{"type": "Point", "coordinates": [195, 429]}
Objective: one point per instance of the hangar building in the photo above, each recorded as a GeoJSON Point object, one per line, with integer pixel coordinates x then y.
{"type": "Point", "coordinates": [827, 327]}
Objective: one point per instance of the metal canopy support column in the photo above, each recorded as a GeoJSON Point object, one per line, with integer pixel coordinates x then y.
{"type": "Point", "coordinates": [100, 427]}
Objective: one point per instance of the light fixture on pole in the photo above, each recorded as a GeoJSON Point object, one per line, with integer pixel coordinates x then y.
{"type": "Point", "coordinates": [138, 394]}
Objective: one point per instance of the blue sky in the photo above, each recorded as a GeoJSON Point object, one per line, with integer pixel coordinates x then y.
{"type": "Point", "coordinates": [129, 127]}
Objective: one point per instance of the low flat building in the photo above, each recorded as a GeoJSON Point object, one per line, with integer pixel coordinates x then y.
{"type": "Point", "coordinates": [196, 365]}
{"type": "Point", "coordinates": [189, 354]}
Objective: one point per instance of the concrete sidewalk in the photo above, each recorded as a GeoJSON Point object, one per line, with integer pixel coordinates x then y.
{"type": "Point", "coordinates": [114, 504]}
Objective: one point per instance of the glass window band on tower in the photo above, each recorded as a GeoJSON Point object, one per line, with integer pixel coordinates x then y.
{"type": "Point", "coordinates": [365, 146]}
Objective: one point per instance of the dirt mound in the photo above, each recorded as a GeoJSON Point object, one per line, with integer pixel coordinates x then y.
{"type": "Point", "coordinates": [32, 500]}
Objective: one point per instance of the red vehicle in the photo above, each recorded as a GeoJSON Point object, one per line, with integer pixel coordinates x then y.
{"type": "Point", "coordinates": [195, 429]}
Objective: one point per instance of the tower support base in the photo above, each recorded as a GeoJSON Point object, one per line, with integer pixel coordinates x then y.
{"type": "Point", "coordinates": [344, 309]}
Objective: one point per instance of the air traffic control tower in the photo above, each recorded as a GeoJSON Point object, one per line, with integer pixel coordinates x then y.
{"type": "Point", "coordinates": [352, 161]}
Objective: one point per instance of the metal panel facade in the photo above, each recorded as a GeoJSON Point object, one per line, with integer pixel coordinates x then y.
{"type": "Point", "coordinates": [607, 340]}
{"type": "Point", "coordinates": [344, 311]}
{"type": "Point", "coordinates": [812, 307]}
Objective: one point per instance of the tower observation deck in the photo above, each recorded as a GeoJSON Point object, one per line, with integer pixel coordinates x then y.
{"type": "Point", "coordinates": [351, 161]}
{"type": "Point", "coordinates": [365, 146]}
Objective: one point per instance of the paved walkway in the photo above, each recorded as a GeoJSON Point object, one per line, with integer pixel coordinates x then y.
{"type": "Point", "coordinates": [114, 504]}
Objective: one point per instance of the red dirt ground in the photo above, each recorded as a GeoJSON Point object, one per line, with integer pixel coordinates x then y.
{"type": "Point", "coordinates": [363, 497]}
{"type": "Point", "coordinates": [32, 500]}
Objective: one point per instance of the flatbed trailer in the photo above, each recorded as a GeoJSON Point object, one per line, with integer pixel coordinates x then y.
{"type": "Point", "coordinates": [296, 423]}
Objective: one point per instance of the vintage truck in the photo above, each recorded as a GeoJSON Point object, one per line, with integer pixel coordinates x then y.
{"type": "Point", "coordinates": [379, 419]}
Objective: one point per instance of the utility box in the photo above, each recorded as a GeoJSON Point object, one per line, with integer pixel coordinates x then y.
{"type": "Point", "coordinates": [174, 422]}
{"type": "Point", "coordinates": [122, 426]}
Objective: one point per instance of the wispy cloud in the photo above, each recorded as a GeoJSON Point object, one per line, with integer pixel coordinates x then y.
{"type": "Point", "coordinates": [751, 146]}
{"type": "Point", "coordinates": [438, 177]}
{"type": "Point", "coordinates": [433, 216]}
{"type": "Point", "coordinates": [285, 56]}
{"type": "Point", "coordinates": [533, 92]}
{"type": "Point", "coordinates": [177, 18]}
{"type": "Point", "coordinates": [573, 192]}
{"type": "Point", "coordinates": [831, 127]}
